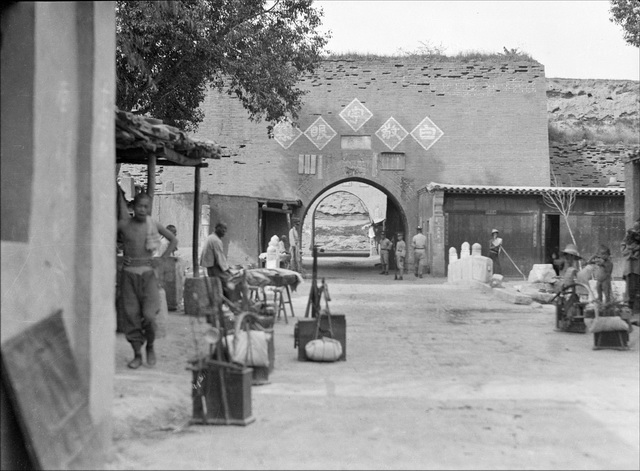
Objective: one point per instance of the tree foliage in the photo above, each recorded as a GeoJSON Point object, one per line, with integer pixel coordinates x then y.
{"type": "Point", "coordinates": [626, 13]}
{"type": "Point", "coordinates": [170, 52]}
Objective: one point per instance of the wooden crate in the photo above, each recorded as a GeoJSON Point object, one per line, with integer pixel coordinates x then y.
{"type": "Point", "coordinates": [616, 340]}
{"type": "Point", "coordinates": [207, 390]}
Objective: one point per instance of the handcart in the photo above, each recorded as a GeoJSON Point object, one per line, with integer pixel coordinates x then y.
{"type": "Point", "coordinates": [572, 307]}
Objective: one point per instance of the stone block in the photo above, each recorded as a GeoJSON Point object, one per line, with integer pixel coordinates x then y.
{"type": "Point", "coordinates": [542, 273]}
{"type": "Point", "coordinates": [454, 273]}
{"type": "Point", "coordinates": [496, 280]}
{"type": "Point", "coordinates": [512, 296]}
{"type": "Point", "coordinates": [481, 268]}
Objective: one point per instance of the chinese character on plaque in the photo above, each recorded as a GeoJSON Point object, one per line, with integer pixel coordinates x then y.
{"type": "Point", "coordinates": [355, 114]}
{"type": "Point", "coordinates": [426, 133]}
{"type": "Point", "coordinates": [285, 134]}
{"type": "Point", "coordinates": [391, 133]}
{"type": "Point", "coordinates": [320, 133]}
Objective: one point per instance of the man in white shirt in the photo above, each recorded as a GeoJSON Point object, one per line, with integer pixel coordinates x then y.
{"type": "Point", "coordinates": [419, 245]}
{"type": "Point", "coordinates": [293, 246]}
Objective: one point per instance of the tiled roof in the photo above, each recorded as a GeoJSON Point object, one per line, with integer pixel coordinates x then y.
{"type": "Point", "coordinates": [521, 190]}
{"type": "Point", "coordinates": [138, 137]}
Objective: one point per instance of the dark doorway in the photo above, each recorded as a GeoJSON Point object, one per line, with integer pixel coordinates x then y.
{"type": "Point", "coordinates": [273, 221]}
{"type": "Point", "coordinates": [394, 223]}
{"type": "Point", "coordinates": [551, 237]}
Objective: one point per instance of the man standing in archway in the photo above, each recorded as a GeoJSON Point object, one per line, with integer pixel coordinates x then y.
{"type": "Point", "coordinates": [385, 247]}
{"type": "Point", "coordinates": [419, 245]}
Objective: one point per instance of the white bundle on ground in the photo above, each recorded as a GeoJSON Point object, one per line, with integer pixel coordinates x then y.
{"type": "Point", "coordinates": [542, 273]}
{"type": "Point", "coordinates": [608, 324]}
{"type": "Point", "coordinates": [324, 349]}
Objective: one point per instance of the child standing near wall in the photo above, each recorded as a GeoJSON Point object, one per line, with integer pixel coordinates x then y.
{"type": "Point", "coordinates": [603, 272]}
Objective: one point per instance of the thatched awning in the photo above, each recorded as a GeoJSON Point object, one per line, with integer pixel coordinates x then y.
{"type": "Point", "coordinates": [139, 137]}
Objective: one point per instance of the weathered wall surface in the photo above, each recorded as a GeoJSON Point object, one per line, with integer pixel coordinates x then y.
{"type": "Point", "coordinates": [605, 110]}
{"type": "Point", "coordinates": [594, 126]}
{"type": "Point", "coordinates": [588, 165]}
{"type": "Point", "coordinates": [475, 105]}
{"type": "Point", "coordinates": [340, 221]}
{"type": "Point", "coordinates": [481, 108]}
{"type": "Point", "coordinates": [58, 84]}
{"type": "Point", "coordinates": [594, 130]}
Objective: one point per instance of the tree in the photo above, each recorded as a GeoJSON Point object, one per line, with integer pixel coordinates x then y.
{"type": "Point", "coordinates": [562, 201]}
{"type": "Point", "coordinates": [626, 13]}
{"type": "Point", "coordinates": [170, 52]}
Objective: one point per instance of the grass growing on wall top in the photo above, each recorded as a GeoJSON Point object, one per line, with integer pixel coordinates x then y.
{"type": "Point", "coordinates": [437, 54]}
{"type": "Point", "coordinates": [621, 132]}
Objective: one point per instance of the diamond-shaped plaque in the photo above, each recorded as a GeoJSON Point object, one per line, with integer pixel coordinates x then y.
{"type": "Point", "coordinates": [391, 133]}
{"type": "Point", "coordinates": [355, 114]}
{"type": "Point", "coordinates": [426, 133]}
{"type": "Point", "coordinates": [320, 133]}
{"type": "Point", "coordinates": [285, 134]}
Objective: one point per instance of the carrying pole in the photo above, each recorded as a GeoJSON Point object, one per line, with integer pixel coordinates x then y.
{"type": "Point", "coordinates": [195, 241]}
{"type": "Point", "coordinates": [514, 264]}
{"type": "Point", "coordinates": [219, 323]}
{"type": "Point", "coordinates": [314, 300]}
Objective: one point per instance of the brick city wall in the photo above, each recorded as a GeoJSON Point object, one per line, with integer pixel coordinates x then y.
{"type": "Point", "coordinates": [492, 116]}
{"type": "Point", "coordinates": [590, 165]}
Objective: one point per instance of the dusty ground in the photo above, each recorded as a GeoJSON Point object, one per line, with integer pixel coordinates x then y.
{"type": "Point", "coordinates": [436, 377]}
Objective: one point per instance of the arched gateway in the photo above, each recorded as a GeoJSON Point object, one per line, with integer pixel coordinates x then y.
{"type": "Point", "coordinates": [393, 218]}
{"type": "Point", "coordinates": [397, 124]}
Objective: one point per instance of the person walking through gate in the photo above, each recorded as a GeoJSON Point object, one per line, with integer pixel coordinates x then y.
{"type": "Point", "coordinates": [495, 246]}
{"type": "Point", "coordinates": [401, 252]}
{"type": "Point", "coordinates": [293, 245]}
{"type": "Point", "coordinates": [419, 246]}
{"type": "Point", "coordinates": [385, 246]}
{"type": "Point", "coordinates": [140, 236]}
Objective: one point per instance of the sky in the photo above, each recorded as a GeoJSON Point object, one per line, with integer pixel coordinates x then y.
{"type": "Point", "coordinates": [572, 39]}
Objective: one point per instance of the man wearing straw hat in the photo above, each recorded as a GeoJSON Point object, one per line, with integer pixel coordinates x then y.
{"type": "Point", "coordinates": [495, 246]}
{"type": "Point", "coordinates": [572, 258]}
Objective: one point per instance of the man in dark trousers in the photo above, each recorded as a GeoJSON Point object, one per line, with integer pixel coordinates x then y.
{"type": "Point", "coordinates": [140, 236]}
{"type": "Point", "coordinates": [495, 246]}
{"type": "Point", "coordinates": [385, 247]}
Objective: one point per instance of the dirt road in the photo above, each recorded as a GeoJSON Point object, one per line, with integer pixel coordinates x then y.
{"type": "Point", "coordinates": [437, 377]}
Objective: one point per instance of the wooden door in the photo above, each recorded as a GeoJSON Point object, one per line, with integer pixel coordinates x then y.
{"type": "Point", "coordinates": [519, 231]}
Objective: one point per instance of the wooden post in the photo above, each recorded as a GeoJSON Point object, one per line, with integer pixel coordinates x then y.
{"type": "Point", "coordinates": [151, 178]}
{"type": "Point", "coordinates": [313, 227]}
{"type": "Point", "coordinates": [196, 223]}
{"type": "Point", "coordinates": [260, 242]}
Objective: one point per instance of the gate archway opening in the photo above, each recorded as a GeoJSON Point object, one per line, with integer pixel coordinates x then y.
{"type": "Point", "coordinates": [342, 217]}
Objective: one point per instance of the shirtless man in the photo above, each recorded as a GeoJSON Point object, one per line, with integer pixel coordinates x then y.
{"type": "Point", "coordinates": [140, 295]}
